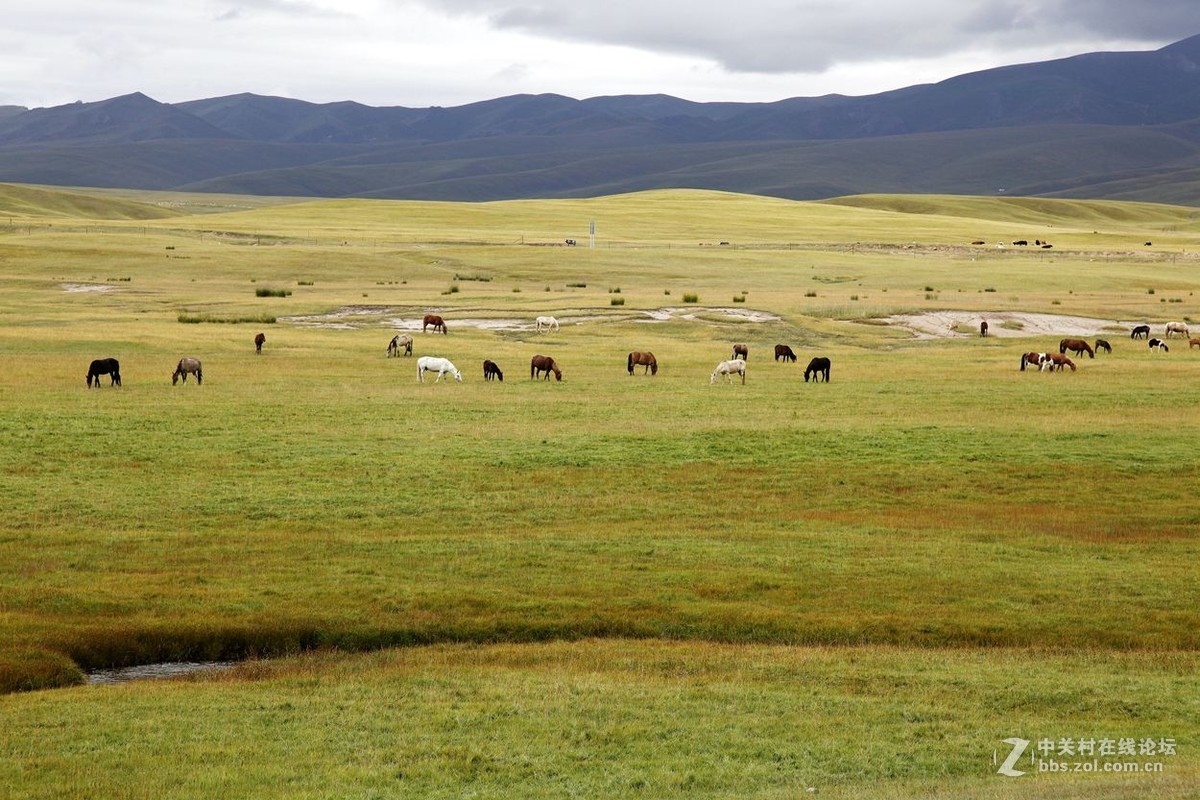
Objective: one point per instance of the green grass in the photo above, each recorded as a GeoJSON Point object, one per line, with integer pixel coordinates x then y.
{"type": "Point", "coordinates": [790, 582]}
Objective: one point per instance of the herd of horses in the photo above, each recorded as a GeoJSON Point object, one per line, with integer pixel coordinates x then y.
{"type": "Point", "coordinates": [542, 366]}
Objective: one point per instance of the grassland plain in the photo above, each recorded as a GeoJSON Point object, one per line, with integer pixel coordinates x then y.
{"type": "Point", "coordinates": [622, 585]}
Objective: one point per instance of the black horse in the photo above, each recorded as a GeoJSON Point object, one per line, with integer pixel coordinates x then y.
{"type": "Point", "coordinates": [1102, 344]}
{"type": "Point", "coordinates": [1140, 332]}
{"type": "Point", "coordinates": [490, 371]}
{"type": "Point", "coordinates": [817, 368]}
{"type": "Point", "coordinates": [104, 366]}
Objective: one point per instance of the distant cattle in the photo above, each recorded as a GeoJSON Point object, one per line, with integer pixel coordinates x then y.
{"type": "Point", "coordinates": [1021, 243]}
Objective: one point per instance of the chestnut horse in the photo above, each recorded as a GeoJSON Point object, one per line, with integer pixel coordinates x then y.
{"type": "Point", "coordinates": [187, 365]}
{"type": "Point", "coordinates": [400, 341]}
{"type": "Point", "coordinates": [1193, 343]}
{"type": "Point", "coordinates": [104, 366]}
{"type": "Point", "coordinates": [646, 360]}
{"type": "Point", "coordinates": [1076, 346]}
{"type": "Point", "coordinates": [1102, 344]}
{"type": "Point", "coordinates": [817, 368]}
{"type": "Point", "coordinates": [741, 351]}
{"type": "Point", "coordinates": [784, 352]}
{"type": "Point", "coordinates": [491, 371]}
{"type": "Point", "coordinates": [1140, 332]}
{"type": "Point", "coordinates": [1056, 361]}
{"type": "Point", "coordinates": [258, 342]}
{"type": "Point", "coordinates": [546, 364]}
{"type": "Point", "coordinates": [434, 320]}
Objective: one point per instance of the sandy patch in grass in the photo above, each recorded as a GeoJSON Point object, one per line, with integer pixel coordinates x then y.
{"type": "Point", "coordinates": [86, 287]}
{"type": "Point", "coordinates": [943, 324]}
{"type": "Point", "coordinates": [357, 317]}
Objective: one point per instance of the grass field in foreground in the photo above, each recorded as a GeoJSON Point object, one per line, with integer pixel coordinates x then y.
{"type": "Point", "coordinates": [931, 509]}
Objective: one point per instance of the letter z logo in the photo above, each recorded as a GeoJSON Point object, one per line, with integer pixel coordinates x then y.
{"type": "Point", "coordinates": [1018, 749]}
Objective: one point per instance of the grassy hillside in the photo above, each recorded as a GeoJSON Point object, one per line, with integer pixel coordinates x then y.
{"type": "Point", "coordinates": [38, 202]}
{"type": "Point", "coordinates": [607, 585]}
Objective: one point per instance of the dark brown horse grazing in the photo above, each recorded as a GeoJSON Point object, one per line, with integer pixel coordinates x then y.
{"type": "Point", "coordinates": [1102, 344]}
{"type": "Point", "coordinates": [983, 328]}
{"type": "Point", "coordinates": [187, 365]}
{"type": "Point", "coordinates": [741, 351]}
{"type": "Point", "coordinates": [1140, 332]}
{"type": "Point", "coordinates": [258, 342]}
{"type": "Point", "coordinates": [104, 366]}
{"type": "Point", "coordinates": [784, 352]}
{"type": "Point", "coordinates": [646, 360]}
{"type": "Point", "coordinates": [491, 371]}
{"type": "Point", "coordinates": [1076, 346]}
{"type": "Point", "coordinates": [434, 320]}
{"type": "Point", "coordinates": [546, 364]}
{"type": "Point", "coordinates": [817, 368]}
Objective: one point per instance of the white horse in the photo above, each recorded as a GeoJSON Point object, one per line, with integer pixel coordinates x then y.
{"type": "Point", "coordinates": [546, 323]}
{"type": "Point", "coordinates": [439, 365]}
{"type": "Point", "coordinates": [728, 368]}
{"type": "Point", "coordinates": [1176, 327]}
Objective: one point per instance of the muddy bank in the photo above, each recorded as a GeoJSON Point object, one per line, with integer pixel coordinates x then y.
{"type": "Point", "coordinates": [945, 324]}
{"type": "Point", "coordinates": [407, 319]}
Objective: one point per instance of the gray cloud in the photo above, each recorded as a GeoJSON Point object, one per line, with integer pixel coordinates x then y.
{"type": "Point", "coordinates": [813, 35]}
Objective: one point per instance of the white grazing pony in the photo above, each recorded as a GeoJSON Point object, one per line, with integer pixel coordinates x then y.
{"type": "Point", "coordinates": [439, 365]}
{"type": "Point", "coordinates": [546, 323]}
{"type": "Point", "coordinates": [728, 368]}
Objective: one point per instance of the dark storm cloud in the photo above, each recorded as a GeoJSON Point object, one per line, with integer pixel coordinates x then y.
{"type": "Point", "coordinates": [812, 35]}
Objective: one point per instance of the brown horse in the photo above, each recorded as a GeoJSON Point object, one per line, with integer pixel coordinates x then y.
{"type": "Point", "coordinates": [1102, 344]}
{"type": "Point", "coordinates": [546, 364]}
{"type": "Point", "coordinates": [258, 342]}
{"type": "Point", "coordinates": [434, 320]}
{"type": "Point", "coordinates": [1056, 361]}
{"type": "Point", "coordinates": [491, 371]}
{"type": "Point", "coordinates": [1193, 343]}
{"type": "Point", "coordinates": [1032, 359]}
{"type": "Point", "coordinates": [401, 341]}
{"type": "Point", "coordinates": [784, 352]}
{"type": "Point", "coordinates": [983, 328]}
{"type": "Point", "coordinates": [741, 351]}
{"type": "Point", "coordinates": [1076, 346]}
{"type": "Point", "coordinates": [646, 360]}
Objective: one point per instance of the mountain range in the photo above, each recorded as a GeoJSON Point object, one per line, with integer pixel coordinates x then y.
{"type": "Point", "coordinates": [1101, 125]}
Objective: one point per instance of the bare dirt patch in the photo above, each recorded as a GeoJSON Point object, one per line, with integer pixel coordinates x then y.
{"type": "Point", "coordinates": [358, 317]}
{"type": "Point", "coordinates": [946, 324]}
{"type": "Point", "coordinates": [86, 287]}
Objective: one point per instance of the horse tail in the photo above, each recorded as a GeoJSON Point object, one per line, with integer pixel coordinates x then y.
{"type": "Point", "coordinates": [1023, 361]}
{"type": "Point", "coordinates": [629, 363]}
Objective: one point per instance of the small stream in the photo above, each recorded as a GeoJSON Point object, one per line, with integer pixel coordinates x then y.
{"type": "Point", "coordinates": [169, 669]}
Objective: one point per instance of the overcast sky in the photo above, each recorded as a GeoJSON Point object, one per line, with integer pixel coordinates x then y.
{"type": "Point", "coordinates": [449, 52]}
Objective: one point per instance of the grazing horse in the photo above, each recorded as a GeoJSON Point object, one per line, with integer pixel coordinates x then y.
{"type": "Point", "coordinates": [784, 352]}
{"type": "Point", "coordinates": [1193, 343]}
{"type": "Point", "coordinates": [1176, 327]}
{"type": "Point", "coordinates": [740, 351]}
{"type": "Point", "coordinates": [546, 324]}
{"type": "Point", "coordinates": [439, 365]}
{"type": "Point", "coordinates": [491, 371]}
{"type": "Point", "coordinates": [434, 320]}
{"type": "Point", "coordinates": [1102, 344]}
{"type": "Point", "coordinates": [1056, 361]}
{"type": "Point", "coordinates": [983, 328]}
{"type": "Point", "coordinates": [817, 368]}
{"type": "Point", "coordinates": [546, 364]}
{"type": "Point", "coordinates": [1076, 346]}
{"type": "Point", "coordinates": [1140, 332]}
{"type": "Point", "coordinates": [646, 360]}
{"type": "Point", "coordinates": [104, 366]}
{"type": "Point", "coordinates": [1032, 359]}
{"type": "Point", "coordinates": [258, 342]}
{"type": "Point", "coordinates": [187, 365]}
{"type": "Point", "coordinates": [728, 369]}
{"type": "Point", "coordinates": [401, 341]}
{"type": "Point", "coordinates": [1159, 344]}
